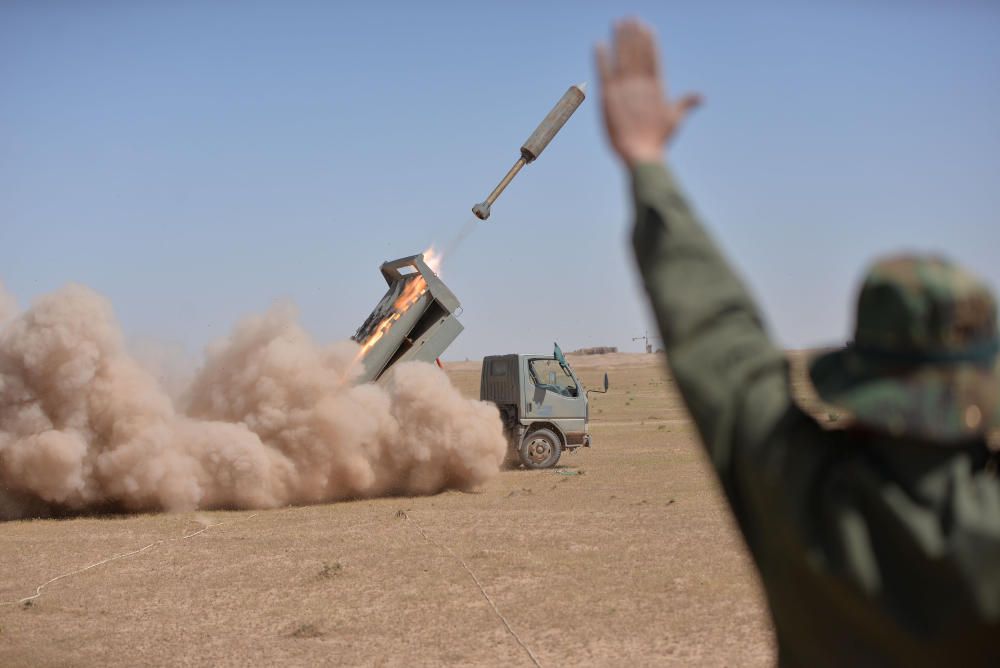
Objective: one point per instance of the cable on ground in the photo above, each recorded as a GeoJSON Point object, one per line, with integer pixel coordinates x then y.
{"type": "Point", "coordinates": [531, 655]}
{"type": "Point", "coordinates": [39, 588]}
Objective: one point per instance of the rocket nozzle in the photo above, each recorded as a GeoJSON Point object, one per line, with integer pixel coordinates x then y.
{"type": "Point", "coordinates": [482, 210]}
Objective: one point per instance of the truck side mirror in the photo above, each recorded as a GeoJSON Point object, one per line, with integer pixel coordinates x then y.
{"type": "Point", "coordinates": [604, 391]}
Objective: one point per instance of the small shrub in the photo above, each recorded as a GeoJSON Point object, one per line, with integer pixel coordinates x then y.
{"type": "Point", "coordinates": [330, 570]}
{"type": "Point", "coordinates": [306, 631]}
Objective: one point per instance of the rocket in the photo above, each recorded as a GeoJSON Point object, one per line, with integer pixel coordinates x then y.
{"type": "Point", "coordinates": [536, 143]}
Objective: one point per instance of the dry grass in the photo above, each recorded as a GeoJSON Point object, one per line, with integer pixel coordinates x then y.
{"type": "Point", "coordinates": [637, 562]}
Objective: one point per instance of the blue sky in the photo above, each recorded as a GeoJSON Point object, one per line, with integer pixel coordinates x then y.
{"type": "Point", "coordinates": [196, 161]}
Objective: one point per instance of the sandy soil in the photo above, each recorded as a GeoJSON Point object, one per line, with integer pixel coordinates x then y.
{"type": "Point", "coordinates": [626, 555]}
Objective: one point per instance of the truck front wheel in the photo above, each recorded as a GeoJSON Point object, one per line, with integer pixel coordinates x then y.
{"type": "Point", "coordinates": [540, 449]}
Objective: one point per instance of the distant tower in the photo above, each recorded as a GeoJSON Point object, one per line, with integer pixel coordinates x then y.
{"type": "Point", "coordinates": [645, 337]}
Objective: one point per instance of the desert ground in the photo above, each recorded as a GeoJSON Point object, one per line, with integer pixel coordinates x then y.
{"type": "Point", "coordinates": [624, 555]}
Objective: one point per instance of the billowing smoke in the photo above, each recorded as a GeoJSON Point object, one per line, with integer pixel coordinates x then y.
{"type": "Point", "coordinates": [271, 419]}
{"type": "Point", "coordinates": [171, 364]}
{"type": "Point", "coordinates": [8, 305]}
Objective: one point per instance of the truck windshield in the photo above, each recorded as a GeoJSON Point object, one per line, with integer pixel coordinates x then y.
{"type": "Point", "coordinates": [552, 376]}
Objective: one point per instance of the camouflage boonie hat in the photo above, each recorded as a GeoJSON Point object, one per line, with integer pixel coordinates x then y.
{"type": "Point", "coordinates": [923, 362]}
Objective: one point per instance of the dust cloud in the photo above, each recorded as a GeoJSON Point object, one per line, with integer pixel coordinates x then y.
{"type": "Point", "coordinates": [270, 419]}
{"type": "Point", "coordinates": [8, 305]}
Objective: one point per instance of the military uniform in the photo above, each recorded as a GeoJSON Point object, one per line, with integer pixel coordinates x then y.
{"type": "Point", "coordinates": [878, 543]}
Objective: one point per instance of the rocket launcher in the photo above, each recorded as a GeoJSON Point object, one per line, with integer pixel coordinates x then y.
{"type": "Point", "coordinates": [414, 321]}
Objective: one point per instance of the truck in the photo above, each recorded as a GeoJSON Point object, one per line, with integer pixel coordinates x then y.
{"type": "Point", "coordinates": [543, 405]}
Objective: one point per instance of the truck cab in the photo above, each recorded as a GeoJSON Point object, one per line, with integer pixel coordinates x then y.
{"type": "Point", "coordinates": [543, 405]}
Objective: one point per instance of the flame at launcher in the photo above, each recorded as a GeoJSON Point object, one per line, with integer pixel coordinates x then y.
{"type": "Point", "coordinates": [433, 259]}
{"type": "Point", "coordinates": [414, 289]}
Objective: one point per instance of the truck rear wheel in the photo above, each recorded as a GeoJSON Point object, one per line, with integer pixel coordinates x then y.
{"type": "Point", "coordinates": [540, 449]}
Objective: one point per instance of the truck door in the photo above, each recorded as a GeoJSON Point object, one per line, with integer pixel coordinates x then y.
{"type": "Point", "coordinates": [552, 393]}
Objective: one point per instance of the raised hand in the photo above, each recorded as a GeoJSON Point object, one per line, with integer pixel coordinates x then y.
{"type": "Point", "coordinates": [639, 117]}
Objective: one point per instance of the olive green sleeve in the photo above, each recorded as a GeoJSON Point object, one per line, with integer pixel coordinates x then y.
{"type": "Point", "coordinates": [733, 378]}
{"type": "Point", "coordinates": [872, 550]}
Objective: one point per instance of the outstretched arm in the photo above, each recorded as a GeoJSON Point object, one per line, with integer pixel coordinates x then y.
{"type": "Point", "coordinates": [731, 376]}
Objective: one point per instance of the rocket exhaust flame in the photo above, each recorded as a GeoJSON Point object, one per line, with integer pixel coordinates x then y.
{"type": "Point", "coordinates": [433, 259]}
{"type": "Point", "coordinates": [415, 288]}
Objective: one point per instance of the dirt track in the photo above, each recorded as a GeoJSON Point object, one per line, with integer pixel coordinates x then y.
{"type": "Point", "coordinates": [625, 555]}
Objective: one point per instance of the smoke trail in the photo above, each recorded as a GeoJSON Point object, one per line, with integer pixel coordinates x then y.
{"type": "Point", "coordinates": [273, 419]}
{"type": "Point", "coordinates": [457, 240]}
